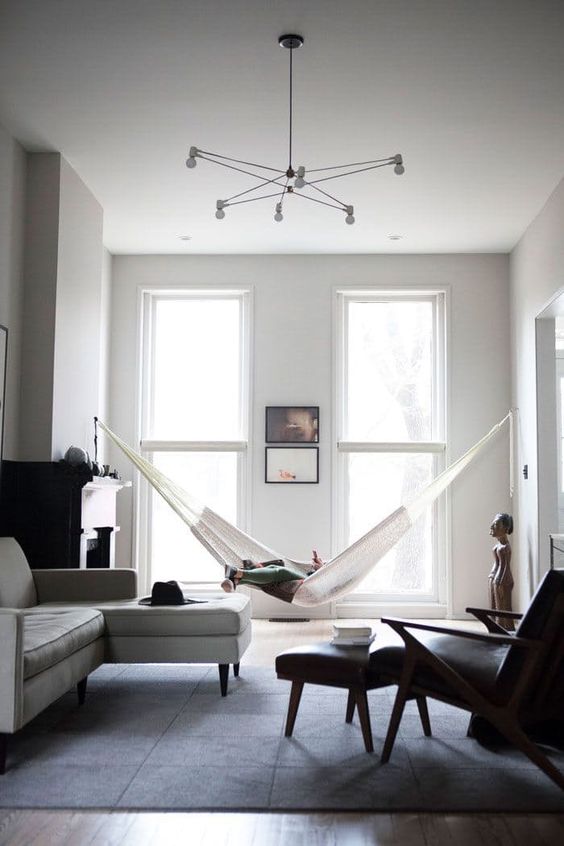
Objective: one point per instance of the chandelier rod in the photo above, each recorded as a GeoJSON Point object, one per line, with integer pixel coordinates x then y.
{"type": "Point", "coordinates": [321, 191]}
{"type": "Point", "coordinates": [291, 110]}
{"type": "Point", "coordinates": [202, 153]}
{"type": "Point", "coordinates": [323, 203]}
{"type": "Point", "coordinates": [348, 173]}
{"type": "Point", "coordinates": [387, 160]}
{"type": "Point", "coordinates": [254, 188]}
{"type": "Point", "coordinates": [251, 199]}
{"type": "Point", "coordinates": [240, 170]}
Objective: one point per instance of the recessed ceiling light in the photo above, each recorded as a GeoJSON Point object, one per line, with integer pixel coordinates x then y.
{"type": "Point", "coordinates": [185, 237]}
{"type": "Point", "coordinates": [395, 237]}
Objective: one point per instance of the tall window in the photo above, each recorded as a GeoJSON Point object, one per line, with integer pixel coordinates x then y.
{"type": "Point", "coordinates": [390, 443]}
{"type": "Point", "coordinates": [194, 420]}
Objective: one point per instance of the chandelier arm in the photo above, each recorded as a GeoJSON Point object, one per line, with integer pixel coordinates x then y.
{"type": "Point", "coordinates": [284, 191]}
{"type": "Point", "coordinates": [255, 188]}
{"type": "Point", "coordinates": [240, 170]}
{"type": "Point", "coordinates": [203, 153]}
{"type": "Point", "coordinates": [321, 191]}
{"type": "Point", "coordinates": [252, 200]}
{"type": "Point", "coordinates": [322, 202]}
{"type": "Point", "coordinates": [348, 173]}
{"type": "Point", "coordinates": [387, 160]}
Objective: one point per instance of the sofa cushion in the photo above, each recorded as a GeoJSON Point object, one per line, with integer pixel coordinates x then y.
{"type": "Point", "coordinates": [51, 636]}
{"type": "Point", "coordinates": [218, 614]}
{"type": "Point", "coordinates": [222, 615]}
{"type": "Point", "coordinates": [17, 588]}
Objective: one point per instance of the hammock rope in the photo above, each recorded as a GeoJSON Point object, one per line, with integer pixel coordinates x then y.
{"type": "Point", "coordinates": [230, 545]}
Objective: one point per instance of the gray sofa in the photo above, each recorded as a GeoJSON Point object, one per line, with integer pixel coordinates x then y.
{"type": "Point", "coordinates": [57, 626]}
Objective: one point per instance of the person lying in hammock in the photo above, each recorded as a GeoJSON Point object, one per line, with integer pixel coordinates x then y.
{"type": "Point", "coordinates": [269, 573]}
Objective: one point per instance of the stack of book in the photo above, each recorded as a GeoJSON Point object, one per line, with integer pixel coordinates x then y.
{"type": "Point", "coordinates": [352, 635]}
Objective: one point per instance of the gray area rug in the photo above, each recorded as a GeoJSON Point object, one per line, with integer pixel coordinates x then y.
{"type": "Point", "coordinates": [161, 737]}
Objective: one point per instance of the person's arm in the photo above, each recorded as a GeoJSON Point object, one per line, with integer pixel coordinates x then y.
{"type": "Point", "coordinates": [316, 561]}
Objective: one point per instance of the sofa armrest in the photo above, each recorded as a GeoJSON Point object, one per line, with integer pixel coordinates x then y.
{"type": "Point", "coordinates": [11, 669]}
{"type": "Point", "coordinates": [94, 585]}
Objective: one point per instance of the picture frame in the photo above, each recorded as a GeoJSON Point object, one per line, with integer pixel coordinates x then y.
{"type": "Point", "coordinates": [286, 424]}
{"type": "Point", "coordinates": [291, 465]}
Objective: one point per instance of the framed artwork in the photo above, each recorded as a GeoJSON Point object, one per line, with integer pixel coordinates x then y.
{"type": "Point", "coordinates": [292, 466]}
{"type": "Point", "coordinates": [286, 424]}
{"type": "Point", "coordinates": [3, 362]}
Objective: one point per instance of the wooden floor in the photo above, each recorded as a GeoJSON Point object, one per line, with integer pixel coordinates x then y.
{"type": "Point", "coordinates": [118, 828]}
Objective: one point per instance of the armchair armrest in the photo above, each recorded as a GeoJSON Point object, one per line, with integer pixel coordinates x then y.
{"type": "Point", "coordinates": [11, 669]}
{"type": "Point", "coordinates": [487, 615]}
{"type": "Point", "coordinates": [399, 625]}
{"type": "Point", "coordinates": [493, 612]}
{"type": "Point", "coordinates": [94, 585]}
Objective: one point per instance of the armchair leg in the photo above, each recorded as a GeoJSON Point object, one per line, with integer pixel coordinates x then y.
{"type": "Point", "coordinates": [81, 690]}
{"type": "Point", "coordinates": [295, 696]}
{"type": "Point", "coordinates": [3, 752]}
{"type": "Point", "coordinates": [424, 715]}
{"type": "Point", "coordinates": [236, 669]}
{"type": "Point", "coordinates": [351, 704]}
{"type": "Point", "coordinates": [364, 716]}
{"type": "Point", "coordinates": [399, 705]}
{"type": "Point", "coordinates": [515, 734]}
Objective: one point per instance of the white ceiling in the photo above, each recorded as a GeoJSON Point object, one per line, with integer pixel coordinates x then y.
{"type": "Point", "coordinates": [471, 92]}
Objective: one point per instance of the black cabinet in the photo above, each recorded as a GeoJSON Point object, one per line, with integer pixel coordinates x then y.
{"type": "Point", "coordinates": [48, 506]}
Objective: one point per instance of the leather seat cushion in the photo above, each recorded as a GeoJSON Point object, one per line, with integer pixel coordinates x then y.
{"type": "Point", "coordinates": [51, 636]}
{"type": "Point", "coordinates": [477, 662]}
{"type": "Point", "coordinates": [336, 666]}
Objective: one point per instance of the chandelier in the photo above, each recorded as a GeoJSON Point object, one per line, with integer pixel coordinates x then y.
{"type": "Point", "coordinates": [298, 182]}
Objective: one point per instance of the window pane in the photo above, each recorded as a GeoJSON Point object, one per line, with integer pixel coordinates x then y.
{"type": "Point", "coordinates": [211, 477]}
{"type": "Point", "coordinates": [196, 384]}
{"type": "Point", "coordinates": [389, 371]}
{"type": "Point", "coordinates": [378, 484]}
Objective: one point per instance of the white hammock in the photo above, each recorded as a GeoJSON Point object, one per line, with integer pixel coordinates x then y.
{"type": "Point", "coordinates": [229, 545]}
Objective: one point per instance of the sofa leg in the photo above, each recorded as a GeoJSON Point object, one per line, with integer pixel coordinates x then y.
{"type": "Point", "coordinates": [223, 677]}
{"type": "Point", "coordinates": [236, 669]}
{"type": "Point", "coordinates": [81, 690]}
{"type": "Point", "coordinates": [3, 751]}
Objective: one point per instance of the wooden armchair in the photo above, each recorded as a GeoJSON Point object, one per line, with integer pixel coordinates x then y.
{"type": "Point", "coordinates": [515, 681]}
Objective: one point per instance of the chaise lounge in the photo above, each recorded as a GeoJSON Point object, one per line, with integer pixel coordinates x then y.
{"type": "Point", "coordinates": [57, 626]}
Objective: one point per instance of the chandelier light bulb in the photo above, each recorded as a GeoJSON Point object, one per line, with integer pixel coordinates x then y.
{"type": "Point", "coordinates": [399, 169]}
{"type": "Point", "coordinates": [220, 214]}
{"type": "Point", "coordinates": [191, 162]}
{"type": "Point", "coordinates": [300, 181]}
{"type": "Point", "coordinates": [278, 215]}
{"type": "Point", "coordinates": [349, 219]}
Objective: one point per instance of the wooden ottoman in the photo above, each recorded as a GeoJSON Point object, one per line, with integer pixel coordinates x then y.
{"type": "Point", "coordinates": [345, 667]}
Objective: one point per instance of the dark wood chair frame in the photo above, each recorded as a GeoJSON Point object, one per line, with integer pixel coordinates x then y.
{"type": "Point", "coordinates": [529, 699]}
{"type": "Point", "coordinates": [357, 698]}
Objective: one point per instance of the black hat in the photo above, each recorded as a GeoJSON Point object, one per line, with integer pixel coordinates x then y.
{"type": "Point", "coordinates": [166, 593]}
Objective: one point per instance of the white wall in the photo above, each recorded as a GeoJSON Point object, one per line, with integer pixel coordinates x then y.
{"type": "Point", "coordinates": [76, 375]}
{"type": "Point", "coordinates": [537, 273]}
{"type": "Point", "coordinates": [62, 310]}
{"type": "Point", "coordinates": [12, 198]}
{"type": "Point", "coordinates": [293, 308]}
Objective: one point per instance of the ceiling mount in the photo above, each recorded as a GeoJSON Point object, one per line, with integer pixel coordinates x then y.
{"type": "Point", "coordinates": [290, 180]}
{"type": "Point", "coordinates": [291, 42]}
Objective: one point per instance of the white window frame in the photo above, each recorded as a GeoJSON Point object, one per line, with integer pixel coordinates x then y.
{"type": "Point", "coordinates": [357, 604]}
{"type": "Point", "coordinates": [148, 297]}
